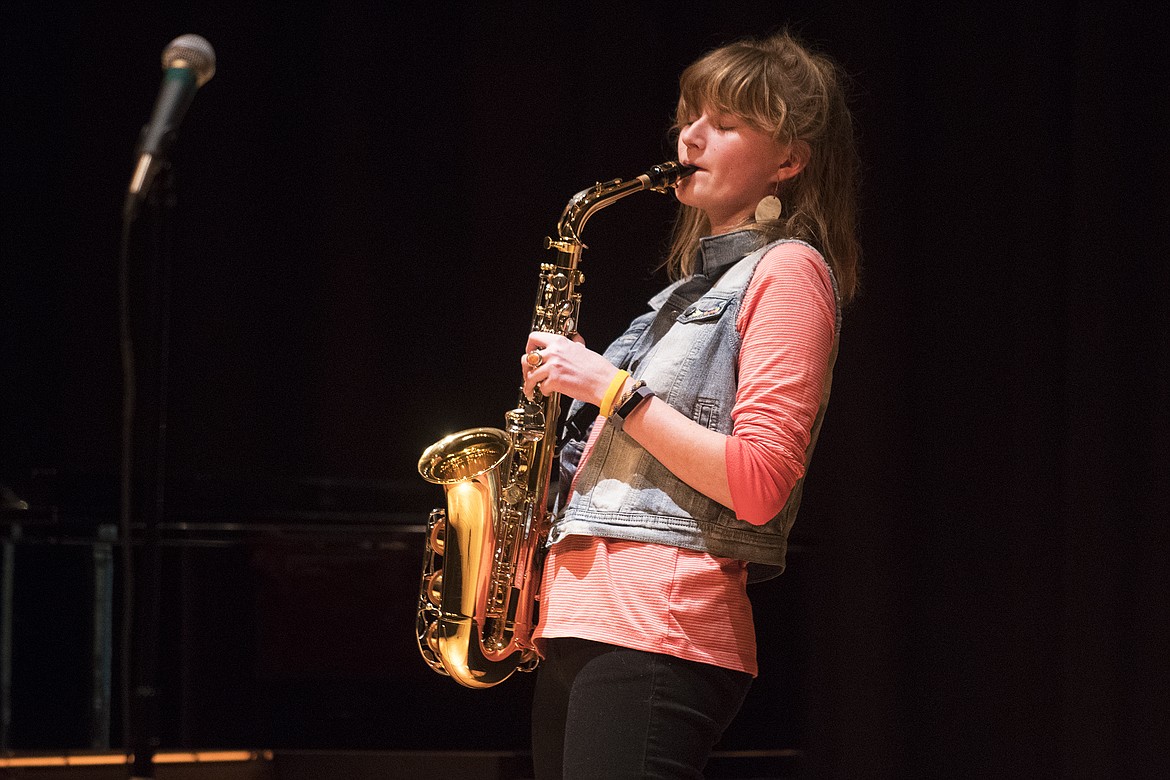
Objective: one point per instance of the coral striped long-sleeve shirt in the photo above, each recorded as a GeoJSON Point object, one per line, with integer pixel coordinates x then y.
{"type": "Point", "coordinates": [687, 603]}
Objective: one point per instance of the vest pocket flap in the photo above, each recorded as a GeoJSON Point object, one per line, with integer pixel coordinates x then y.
{"type": "Point", "coordinates": [704, 309]}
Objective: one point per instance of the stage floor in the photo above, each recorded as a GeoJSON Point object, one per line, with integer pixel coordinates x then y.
{"type": "Point", "coordinates": [351, 765]}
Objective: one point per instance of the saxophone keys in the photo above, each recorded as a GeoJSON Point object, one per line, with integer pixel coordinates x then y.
{"type": "Point", "coordinates": [434, 588]}
{"type": "Point", "coordinates": [513, 494]}
{"type": "Point", "coordinates": [568, 247]}
{"type": "Point", "coordinates": [438, 536]}
{"type": "Point", "coordinates": [431, 638]}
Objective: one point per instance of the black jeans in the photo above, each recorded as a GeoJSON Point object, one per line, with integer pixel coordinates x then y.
{"type": "Point", "coordinates": [601, 711]}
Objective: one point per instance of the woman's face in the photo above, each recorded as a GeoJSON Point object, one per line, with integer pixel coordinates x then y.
{"type": "Point", "coordinates": [737, 166]}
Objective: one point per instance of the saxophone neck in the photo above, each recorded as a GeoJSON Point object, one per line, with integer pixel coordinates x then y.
{"type": "Point", "coordinates": [585, 203]}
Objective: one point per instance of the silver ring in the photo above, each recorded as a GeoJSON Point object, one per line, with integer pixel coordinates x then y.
{"type": "Point", "coordinates": [535, 358]}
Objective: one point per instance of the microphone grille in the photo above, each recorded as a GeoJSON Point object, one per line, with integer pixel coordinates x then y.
{"type": "Point", "coordinates": [196, 52]}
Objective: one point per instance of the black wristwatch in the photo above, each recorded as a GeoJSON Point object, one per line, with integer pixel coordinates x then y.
{"type": "Point", "coordinates": [639, 395]}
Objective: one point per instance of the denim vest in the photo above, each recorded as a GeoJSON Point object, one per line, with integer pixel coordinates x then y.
{"type": "Point", "coordinates": [686, 349]}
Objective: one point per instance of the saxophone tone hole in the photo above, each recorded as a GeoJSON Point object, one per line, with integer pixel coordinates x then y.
{"type": "Point", "coordinates": [432, 638]}
{"type": "Point", "coordinates": [438, 540]}
{"type": "Point", "coordinates": [435, 589]}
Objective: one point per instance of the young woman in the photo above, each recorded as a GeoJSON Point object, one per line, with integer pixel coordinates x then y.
{"type": "Point", "coordinates": [690, 476]}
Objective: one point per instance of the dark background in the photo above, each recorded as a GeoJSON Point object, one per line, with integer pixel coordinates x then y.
{"type": "Point", "coordinates": [979, 587]}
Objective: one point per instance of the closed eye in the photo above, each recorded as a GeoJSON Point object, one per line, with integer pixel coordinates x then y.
{"type": "Point", "coordinates": [724, 123]}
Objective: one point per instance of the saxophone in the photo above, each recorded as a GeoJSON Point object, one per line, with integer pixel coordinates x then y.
{"type": "Point", "coordinates": [479, 596]}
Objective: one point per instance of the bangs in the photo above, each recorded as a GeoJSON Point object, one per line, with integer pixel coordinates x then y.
{"type": "Point", "coordinates": [731, 81]}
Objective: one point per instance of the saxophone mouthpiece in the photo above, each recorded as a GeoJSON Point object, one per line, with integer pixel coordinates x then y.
{"type": "Point", "coordinates": [666, 175]}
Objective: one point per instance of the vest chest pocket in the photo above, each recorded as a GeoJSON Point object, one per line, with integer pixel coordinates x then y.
{"type": "Point", "coordinates": [704, 309]}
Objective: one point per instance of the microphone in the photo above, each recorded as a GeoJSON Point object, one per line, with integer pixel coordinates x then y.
{"type": "Point", "coordinates": [188, 63]}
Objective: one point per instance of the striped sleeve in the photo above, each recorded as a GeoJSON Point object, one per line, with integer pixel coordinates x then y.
{"type": "Point", "coordinates": [786, 321]}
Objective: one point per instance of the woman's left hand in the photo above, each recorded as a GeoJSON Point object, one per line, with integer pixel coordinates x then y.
{"type": "Point", "coordinates": [565, 366]}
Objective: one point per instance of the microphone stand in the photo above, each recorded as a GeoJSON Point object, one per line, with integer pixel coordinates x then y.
{"type": "Point", "coordinates": [145, 319]}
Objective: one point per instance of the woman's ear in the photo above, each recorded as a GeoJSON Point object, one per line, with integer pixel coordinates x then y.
{"type": "Point", "coordinates": [799, 153]}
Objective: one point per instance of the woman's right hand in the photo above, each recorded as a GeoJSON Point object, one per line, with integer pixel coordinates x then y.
{"type": "Point", "coordinates": [565, 366]}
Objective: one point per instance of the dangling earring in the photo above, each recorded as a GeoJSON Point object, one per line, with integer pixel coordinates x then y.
{"type": "Point", "coordinates": [769, 207]}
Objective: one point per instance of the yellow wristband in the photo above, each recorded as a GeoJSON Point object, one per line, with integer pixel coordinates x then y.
{"type": "Point", "coordinates": [615, 387]}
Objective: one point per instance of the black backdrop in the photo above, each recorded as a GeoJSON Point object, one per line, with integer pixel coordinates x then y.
{"type": "Point", "coordinates": [362, 192]}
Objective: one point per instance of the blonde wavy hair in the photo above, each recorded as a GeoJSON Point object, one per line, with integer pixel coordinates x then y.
{"type": "Point", "coordinates": [778, 85]}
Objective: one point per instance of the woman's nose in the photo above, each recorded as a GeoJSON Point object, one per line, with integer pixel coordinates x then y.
{"type": "Point", "coordinates": [691, 134]}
